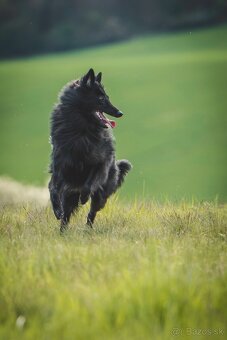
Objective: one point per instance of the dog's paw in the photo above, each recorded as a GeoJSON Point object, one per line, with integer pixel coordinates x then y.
{"type": "Point", "coordinates": [58, 214]}
{"type": "Point", "coordinates": [84, 196]}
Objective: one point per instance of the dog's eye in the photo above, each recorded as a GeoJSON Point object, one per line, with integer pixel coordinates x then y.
{"type": "Point", "coordinates": [101, 98]}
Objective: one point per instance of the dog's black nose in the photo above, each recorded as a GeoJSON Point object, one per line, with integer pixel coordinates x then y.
{"type": "Point", "coordinates": [119, 113]}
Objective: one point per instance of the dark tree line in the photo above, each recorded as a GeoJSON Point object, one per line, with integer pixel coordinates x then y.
{"type": "Point", "coordinates": [35, 26]}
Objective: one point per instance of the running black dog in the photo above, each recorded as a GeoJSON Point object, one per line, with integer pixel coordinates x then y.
{"type": "Point", "coordinates": [83, 161]}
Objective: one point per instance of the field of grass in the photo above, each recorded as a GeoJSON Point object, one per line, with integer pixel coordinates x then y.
{"type": "Point", "coordinates": [146, 271]}
{"type": "Point", "coordinates": [172, 89]}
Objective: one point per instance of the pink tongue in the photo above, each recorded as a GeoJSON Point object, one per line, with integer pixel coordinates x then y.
{"type": "Point", "coordinates": [107, 121]}
{"type": "Point", "coordinates": [112, 123]}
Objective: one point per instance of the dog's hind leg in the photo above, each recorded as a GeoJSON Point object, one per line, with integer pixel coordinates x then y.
{"type": "Point", "coordinates": [98, 201]}
{"type": "Point", "coordinates": [70, 202]}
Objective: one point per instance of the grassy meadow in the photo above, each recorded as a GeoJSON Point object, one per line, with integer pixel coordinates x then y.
{"type": "Point", "coordinates": [172, 89]}
{"type": "Point", "coordinates": [146, 271]}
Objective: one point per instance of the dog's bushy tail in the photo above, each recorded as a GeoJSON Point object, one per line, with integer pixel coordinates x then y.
{"type": "Point", "coordinates": [124, 167]}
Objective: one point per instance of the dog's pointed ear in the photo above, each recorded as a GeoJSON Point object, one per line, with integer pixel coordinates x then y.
{"type": "Point", "coordinates": [99, 77]}
{"type": "Point", "coordinates": [89, 78]}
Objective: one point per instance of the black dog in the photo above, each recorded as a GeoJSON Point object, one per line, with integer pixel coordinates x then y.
{"type": "Point", "coordinates": [83, 157]}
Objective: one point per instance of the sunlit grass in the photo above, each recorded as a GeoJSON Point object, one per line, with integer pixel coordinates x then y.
{"type": "Point", "coordinates": [144, 270]}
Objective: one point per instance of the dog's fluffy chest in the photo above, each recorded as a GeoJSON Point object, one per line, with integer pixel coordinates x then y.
{"type": "Point", "coordinates": [99, 150]}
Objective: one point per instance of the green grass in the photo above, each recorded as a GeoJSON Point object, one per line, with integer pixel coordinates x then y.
{"type": "Point", "coordinates": [146, 271]}
{"type": "Point", "coordinates": [172, 89]}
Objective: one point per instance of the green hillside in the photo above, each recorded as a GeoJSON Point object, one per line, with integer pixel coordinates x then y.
{"type": "Point", "coordinates": [172, 89]}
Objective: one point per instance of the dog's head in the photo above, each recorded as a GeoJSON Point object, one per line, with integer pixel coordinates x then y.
{"type": "Point", "coordinates": [95, 100]}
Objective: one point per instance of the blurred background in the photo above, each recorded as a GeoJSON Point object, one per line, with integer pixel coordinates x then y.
{"type": "Point", "coordinates": [36, 26]}
{"type": "Point", "coordinates": [164, 64]}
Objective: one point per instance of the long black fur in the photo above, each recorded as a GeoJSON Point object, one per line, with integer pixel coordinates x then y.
{"type": "Point", "coordinates": [83, 162]}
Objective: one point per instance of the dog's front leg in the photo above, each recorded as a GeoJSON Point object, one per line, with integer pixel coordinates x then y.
{"type": "Point", "coordinates": [99, 178]}
{"type": "Point", "coordinates": [84, 195]}
{"type": "Point", "coordinates": [95, 180]}
{"type": "Point", "coordinates": [86, 191]}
